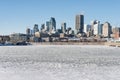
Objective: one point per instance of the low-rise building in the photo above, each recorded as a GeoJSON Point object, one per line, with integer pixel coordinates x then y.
{"type": "Point", "coordinates": [116, 33]}
{"type": "Point", "coordinates": [62, 35]}
{"type": "Point", "coordinates": [4, 39]}
{"type": "Point", "coordinates": [107, 30]}
{"type": "Point", "coordinates": [18, 37]}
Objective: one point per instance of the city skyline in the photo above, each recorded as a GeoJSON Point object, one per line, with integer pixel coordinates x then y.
{"type": "Point", "coordinates": [16, 15]}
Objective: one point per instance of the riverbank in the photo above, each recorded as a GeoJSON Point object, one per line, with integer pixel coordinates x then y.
{"type": "Point", "coordinates": [69, 43]}
{"type": "Point", "coordinates": [113, 44]}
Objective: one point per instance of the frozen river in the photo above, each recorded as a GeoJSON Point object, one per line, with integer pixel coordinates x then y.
{"type": "Point", "coordinates": [59, 62]}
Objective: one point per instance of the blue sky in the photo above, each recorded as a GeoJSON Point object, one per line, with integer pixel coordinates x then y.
{"type": "Point", "coordinates": [17, 15]}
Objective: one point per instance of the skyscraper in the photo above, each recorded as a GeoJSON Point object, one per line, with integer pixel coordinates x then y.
{"type": "Point", "coordinates": [100, 29]}
{"type": "Point", "coordinates": [42, 27]}
{"type": "Point", "coordinates": [52, 25]}
{"type": "Point", "coordinates": [107, 30]}
{"type": "Point", "coordinates": [87, 28]}
{"type": "Point", "coordinates": [92, 27]}
{"type": "Point", "coordinates": [47, 25]}
{"type": "Point", "coordinates": [35, 28]}
{"type": "Point", "coordinates": [79, 23]}
{"type": "Point", "coordinates": [63, 27]}
{"type": "Point", "coordinates": [96, 27]}
{"type": "Point", "coordinates": [28, 31]}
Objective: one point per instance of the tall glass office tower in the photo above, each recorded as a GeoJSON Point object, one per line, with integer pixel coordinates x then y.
{"type": "Point", "coordinates": [79, 23]}
{"type": "Point", "coordinates": [52, 24]}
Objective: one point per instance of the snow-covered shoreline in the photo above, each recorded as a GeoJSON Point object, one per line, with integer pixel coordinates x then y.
{"type": "Point", "coordinates": [59, 62]}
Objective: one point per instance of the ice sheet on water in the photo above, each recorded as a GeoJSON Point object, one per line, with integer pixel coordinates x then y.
{"type": "Point", "coordinates": [56, 62]}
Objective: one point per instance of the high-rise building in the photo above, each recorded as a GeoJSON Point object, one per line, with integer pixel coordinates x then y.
{"type": "Point", "coordinates": [28, 31]}
{"type": "Point", "coordinates": [87, 28]}
{"type": "Point", "coordinates": [52, 25]}
{"type": "Point", "coordinates": [42, 26]}
{"type": "Point", "coordinates": [69, 30]}
{"type": "Point", "coordinates": [47, 25]}
{"type": "Point", "coordinates": [63, 27]}
{"type": "Point", "coordinates": [107, 30]}
{"type": "Point", "coordinates": [59, 30]}
{"type": "Point", "coordinates": [92, 27]}
{"type": "Point", "coordinates": [100, 29]}
{"type": "Point", "coordinates": [79, 23]}
{"type": "Point", "coordinates": [35, 28]}
{"type": "Point", "coordinates": [96, 27]}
